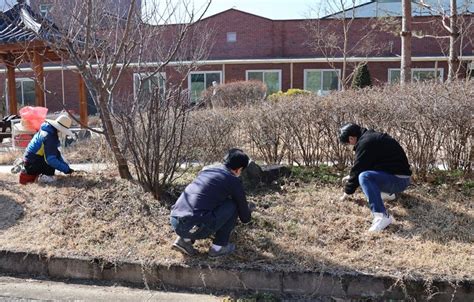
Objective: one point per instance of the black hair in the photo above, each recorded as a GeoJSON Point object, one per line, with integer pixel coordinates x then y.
{"type": "Point", "coordinates": [235, 159]}
{"type": "Point", "coordinates": [347, 130]}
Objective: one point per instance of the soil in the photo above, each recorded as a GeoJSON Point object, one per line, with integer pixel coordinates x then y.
{"type": "Point", "coordinates": [297, 226]}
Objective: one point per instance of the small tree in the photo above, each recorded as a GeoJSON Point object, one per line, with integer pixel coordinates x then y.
{"type": "Point", "coordinates": [104, 43]}
{"type": "Point", "coordinates": [342, 35]}
{"type": "Point", "coordinates": [361, 78]}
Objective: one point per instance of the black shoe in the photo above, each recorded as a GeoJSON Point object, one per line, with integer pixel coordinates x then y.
{"type": "Point", "coordinates": [184, 247]}
{"type": "Point", "coordinates": [225, 250]}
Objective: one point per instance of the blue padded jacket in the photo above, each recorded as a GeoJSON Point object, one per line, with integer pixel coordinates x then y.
{"type": "Point", "coordinates": [44, 146]}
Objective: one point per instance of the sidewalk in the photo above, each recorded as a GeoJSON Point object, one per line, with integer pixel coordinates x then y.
{"type": "Point", "coordinates": [5, 169]}
{"type": "Point", "coordinates": [15, 289]}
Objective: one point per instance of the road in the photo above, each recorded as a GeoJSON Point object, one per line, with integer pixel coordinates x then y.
{"type": "Point", "coordinates": [15, 289]}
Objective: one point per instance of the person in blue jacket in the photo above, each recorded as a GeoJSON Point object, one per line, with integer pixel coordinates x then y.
{"type": "Point", "coordinates": [42, 155]}
{"type": "Point", "coordinates": [210, 205]}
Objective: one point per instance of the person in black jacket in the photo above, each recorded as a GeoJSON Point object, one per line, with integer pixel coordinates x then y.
{"type": "Point", "coordinates": [380, 166]}
{"type": "Point", "coordinates": [210, 205]}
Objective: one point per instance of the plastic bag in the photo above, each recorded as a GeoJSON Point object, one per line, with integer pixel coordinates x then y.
{"type": "Point", "coordinates": [33, 117]}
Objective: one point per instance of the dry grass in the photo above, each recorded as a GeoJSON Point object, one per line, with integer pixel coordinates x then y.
{"type": "Point", "coordinates": [8, 157]}
{"type": "Point", "coordinates": [297, 226]}
{"type": "Point", "coordinates": [93, 150]}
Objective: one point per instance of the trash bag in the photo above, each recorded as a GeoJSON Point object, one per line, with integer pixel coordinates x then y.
{"type": "Point", "coordinates": [33, 117]}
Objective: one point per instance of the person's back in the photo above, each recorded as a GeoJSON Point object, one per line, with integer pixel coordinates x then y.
{"type": "Point", "coordinates": [385, 152]}
{"type": "Point", "coordinates": [211, 205]}
{"type": "Point", "coordinates": [211, 188]}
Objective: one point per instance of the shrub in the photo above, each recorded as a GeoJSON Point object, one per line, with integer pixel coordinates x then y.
{"type": "Point", "coordinates": [432, 121]}
{"type": "Point", "coordinates": [277, 96]}
{"type": "Point", "coordinates": [361, 77]}
{"type": "Point", "coordinates": [235, 94]}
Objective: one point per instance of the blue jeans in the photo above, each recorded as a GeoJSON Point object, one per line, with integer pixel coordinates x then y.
{"type": "Point", "coordinates": [374, 182]}
{"type": "Point", "coordinates": [221, 223]}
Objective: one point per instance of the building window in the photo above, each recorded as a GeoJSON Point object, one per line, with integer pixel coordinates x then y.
{"type": "Point", "coordinates": [471, 70]}
{"type": "Point", "coordinates": [199, 81]}
{"type": "Point", "coordinates": [45, 9]}
{"type": "Point", "coordinates": [271, 78]}
{"type": "Point", "coordinates": [25, 92]}
{"type": "Point", "coordinates": [231, 37]}
{"type": "Point", "coordinates": [417, 74]}
{"type": "Point", "coordinates": [321, 81]}
{"type": "Point", "coordinates": [144, 84]}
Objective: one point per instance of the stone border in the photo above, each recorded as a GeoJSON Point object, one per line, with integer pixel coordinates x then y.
{"type": "Point", "coordinates": [315, 284]}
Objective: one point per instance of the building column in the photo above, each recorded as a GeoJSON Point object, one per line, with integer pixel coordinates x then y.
{"type": "Point", "coordinates": [12, 97]}
{"type": "Point", "coordinates": [83, 102]}
{"type": "Point", "coordinates": [291, 75]}
{"type": "Point", "coordinates": [39, 75]}
{"type": "Point", "coordinates": [223, 73]}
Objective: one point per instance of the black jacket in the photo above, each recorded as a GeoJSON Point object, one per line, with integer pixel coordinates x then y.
{"type": "Point", "coordinates": [376, 151]}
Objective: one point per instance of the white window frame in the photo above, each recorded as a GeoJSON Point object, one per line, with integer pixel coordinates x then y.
{"type": "Point", "coordinates": [145, 74]}
{"type": "Point", "coordinates": [44, 9]}
{"type": "Point", "coordinates": [338, 71]}
{"type": "Point", "coordinates": [440, 69]}
{"type": "Point", "coordinates": [390, 74]}
{"type": "Point", "coordinates": [263, 71]}
{"type": "Point", "coordinates": [231, 37]}
{"type": "Point", "coordinates": [205, 75]}
{"type": "Point", "coordinates": [21, 102]}
{"type": "Point", "coordinates": [471, 70]}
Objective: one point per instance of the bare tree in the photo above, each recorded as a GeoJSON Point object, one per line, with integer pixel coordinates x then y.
{"type": "Point", "coordinates": [341, 35]}
{"type": "Point", "coordinates": [103, 45]}
{"type": "Point", "coordinates": [458, 25]}
{"type": "Point", "coordinates": [406, 35]}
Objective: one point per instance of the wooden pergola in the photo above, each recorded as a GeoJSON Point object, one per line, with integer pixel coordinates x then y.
{"type": "Point", "coordinates": [20, 43]}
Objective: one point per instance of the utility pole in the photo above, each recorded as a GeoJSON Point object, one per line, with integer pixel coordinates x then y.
{"type": "Point", "coordinates": [405, 69]}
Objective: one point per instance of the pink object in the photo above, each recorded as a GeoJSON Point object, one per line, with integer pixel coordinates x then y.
{"type": "Point", "coordinates": [33, 117]}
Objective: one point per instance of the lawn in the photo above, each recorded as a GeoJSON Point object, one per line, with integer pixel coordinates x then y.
{"type": "Point", "coordinates": [298, 225]}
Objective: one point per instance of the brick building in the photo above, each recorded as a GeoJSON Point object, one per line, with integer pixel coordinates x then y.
{"type": "Point", "coordinates": [277, 52]}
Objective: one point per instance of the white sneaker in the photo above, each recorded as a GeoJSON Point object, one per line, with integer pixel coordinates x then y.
{"type": "Point", "coordinates": [380, 222]}
{"type": "Point", "coordinates": [387, 196]}
{"type": "Point", "coordinates": [46, 179]}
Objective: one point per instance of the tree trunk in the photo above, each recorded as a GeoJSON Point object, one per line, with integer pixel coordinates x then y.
{"type": "Point", "coordinates": [122, 164]}
{"type": "Point", "coordinates": [405, 69]}
{"type": "Point", "coordinates": [453, 65]}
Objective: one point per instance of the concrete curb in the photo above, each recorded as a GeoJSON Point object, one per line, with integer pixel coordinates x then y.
{"type": "Point", "coordinates": [346, 286]}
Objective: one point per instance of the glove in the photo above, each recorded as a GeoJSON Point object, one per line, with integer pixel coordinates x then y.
{"type": "Point", "coordinates": [70, 171]}
{"type": "Point", "coordinates": [345, 179]}
{"type": "Point", "coordinates": [344, 197]}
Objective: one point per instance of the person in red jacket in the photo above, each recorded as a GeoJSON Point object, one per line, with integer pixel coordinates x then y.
{"type": "Point", "coordinates": [380, 166]}
{"type": "Point", "coordinates": [211, 205]}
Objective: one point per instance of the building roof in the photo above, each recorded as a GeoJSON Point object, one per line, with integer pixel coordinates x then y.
{"type": "Point", "coordinates": [22, 24]}
{"type": "Point", "coordinates": [393, 8]}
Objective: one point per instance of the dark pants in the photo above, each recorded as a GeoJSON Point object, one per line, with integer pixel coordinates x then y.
{"type": "Point", "coordinates": [221, 223]}
{"type": "Point", "coordinates": [39, 167]}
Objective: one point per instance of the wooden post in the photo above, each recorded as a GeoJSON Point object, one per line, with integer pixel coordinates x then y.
{"type": "Point", "coordinates": [83, 102]}
{"type": "Point", "coordinates": [39, 83]}
{"type": "Point", "coordinates": [12, 98]}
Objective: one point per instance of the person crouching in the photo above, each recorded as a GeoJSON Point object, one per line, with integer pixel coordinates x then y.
{"type": "Point", "coordinates": [42, 156]}
{"type": "Point", "coordinates": [211, 205]}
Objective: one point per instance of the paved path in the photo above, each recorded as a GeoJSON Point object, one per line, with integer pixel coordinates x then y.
{"type": "Point", "coordinates": [84, 167]}
{"type": "Point", "coordinates": [14, 289]}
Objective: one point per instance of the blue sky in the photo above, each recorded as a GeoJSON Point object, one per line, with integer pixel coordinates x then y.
{"type": "Point", "coordinates": [273, 9]}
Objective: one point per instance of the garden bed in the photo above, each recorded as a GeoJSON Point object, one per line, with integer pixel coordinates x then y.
{"type": "Point", "coordinates": [299, 225]}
